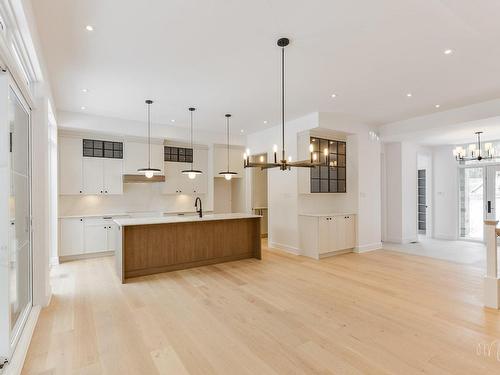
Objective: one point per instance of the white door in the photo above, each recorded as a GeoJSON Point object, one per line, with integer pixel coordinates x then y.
{"type": "Point", "coordinates": [493, 193]}
{"type": "Point", "coordinates": [113, 176]}
{"type": "Point", "coordinates": [71, 237]}
{"type": "Point", "coordinates": [70, 166]}
{"type": "Point", "coordinates": [350, 232]}
{"type": "Point", "coordinates": [338, 230]}
{"type": "Point", "coordinates": [93, 176]}
{"type": "Point", "coordinates": [96, 239]}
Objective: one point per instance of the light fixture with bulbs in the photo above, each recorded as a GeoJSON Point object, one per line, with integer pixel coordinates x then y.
{"type": "Point", "coordinates": [89, 28]}
{"type": "Point", "coordinates": [228, 175]}
{"type": "Point", "coordinates": [149, 172]}
{"type": "Point", "coordinates": [475, 151]}
{"type": "Point", "coordinates": [191, 173]}
{"type": "Point", "coordinates": [284, 163]}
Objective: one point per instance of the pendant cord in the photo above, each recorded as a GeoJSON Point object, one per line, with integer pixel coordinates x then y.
{"type": "Point", "coordinates": [192, 157]}
{"type": "Point", "coordinates": [149, 136]}
{"type": "Point", "coordinates": [227, 129]}
{"type": "Point", "coordinates": [283, 103]}
{"type": "Point", "coordinates": [478, 144]}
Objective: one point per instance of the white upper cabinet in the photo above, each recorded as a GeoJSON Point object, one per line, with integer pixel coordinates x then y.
{"type": "Point", "coordinates": [93, 176]}
{"type": "Point", "coordinates": [70, 166]}
{"type": "Point", "coordinates": [113, 176]}
{"type": "Point", "coordinates": [235, 160]}
{"type": "Point", "coordinates": [102, 176]}
{"type": "Point", "coordinates": [135, 155]}
{"type": "Point", "coordinates": [178, 183]}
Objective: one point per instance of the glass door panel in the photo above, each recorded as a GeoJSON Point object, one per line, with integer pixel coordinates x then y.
{"type": "Point", "coordinates": [471, 196]}
{"type": "Point", "coordinates": [19, 257]}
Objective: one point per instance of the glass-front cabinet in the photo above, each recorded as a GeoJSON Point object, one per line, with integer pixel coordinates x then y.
{"type": "Point", "coordinates": [15, 215]}
{"type": "Point", "coordinates": [330, 178]}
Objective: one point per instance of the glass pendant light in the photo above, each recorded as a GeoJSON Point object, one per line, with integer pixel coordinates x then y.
{"type": "Point", "coordinates": [228, 175]}
{"type": "Point", "coordinates": [191, 173]}
{"type": "Point", "coordinates": [149, 172]}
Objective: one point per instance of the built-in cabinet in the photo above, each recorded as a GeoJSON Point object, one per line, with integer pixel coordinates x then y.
{"type": "Point", "coordinates": [324, 235]}
{"type": "Point", "coordinates": [87, 175]}
{"type": "Point", "coordinates": [102, 176]}
{"type": "Point", "coordinates": [80, 236]}
{"type": "Point", "coordinates": [178, 183]}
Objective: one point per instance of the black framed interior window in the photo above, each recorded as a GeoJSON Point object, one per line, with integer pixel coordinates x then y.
{"type": "Point", "coordinates": [330, 178]}
{"type": "Point", "coordinates": [94, 148]}
{"type": "Point", "coordinates": [178, 154]}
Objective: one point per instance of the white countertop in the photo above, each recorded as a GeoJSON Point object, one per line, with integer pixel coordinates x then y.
{"type": "Point", "coordinates": [180, 219]}
{"type": "Point", "coordinates": [129, 214]}
{"type": "Point", "coordinates": [329, 214]}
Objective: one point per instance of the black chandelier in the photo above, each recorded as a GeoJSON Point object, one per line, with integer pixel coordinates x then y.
{"type": "Point", "coordinates": [474, 152]}
{"type": "Point", "coordinates": [283, 164]}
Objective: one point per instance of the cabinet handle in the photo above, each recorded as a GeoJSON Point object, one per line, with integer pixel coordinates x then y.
{"type": "Point", "coordinates": [101, 191]}
{"type": "Point", "coordinates": [106, 192]}
{"type": "Point", "coordinates": [80, 191]}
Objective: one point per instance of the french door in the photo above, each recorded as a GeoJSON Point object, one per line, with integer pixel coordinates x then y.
{"type": "Point", "coordinates": [16, 271]}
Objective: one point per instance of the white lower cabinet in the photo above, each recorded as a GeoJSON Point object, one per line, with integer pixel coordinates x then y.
{"type": "Point", "coordinates": [79, 236]}
{"type": "Point", "coordinates": [322, 235]}
{"type": "Point", "coordinates": [71, 236]}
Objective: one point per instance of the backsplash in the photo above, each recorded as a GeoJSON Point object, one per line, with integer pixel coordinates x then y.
{"type": "Point", "coordinates": [135, 198]}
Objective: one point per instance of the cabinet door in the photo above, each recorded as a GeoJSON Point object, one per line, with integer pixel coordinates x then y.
{"type": "Point", "coordinates": [70, 166]}
{"type": "Point", "coordinates": [350, 231]}
{"type": "Point", "coordinates": [112, 229]}
{"type": "Point", "coordinates": [93, 176]}
{"type": "Point", "coordinates": [339, 228]}
{"type": "Point", "coordinates": [236, 162]}
{"type": "Point", "coordinates": [113, 180]}
{"type": "Point", "coordinates": [96, 236]}
{"type": "Point", "coordinates": [71, 237]}
{"type": "Point", "coordinates": [157, 157]}
{"type": "Point", "coordinates": [200, 162]}
{"type": "Point", "coordinates": [135, 156]}
{"type": "Point", "coordinates": [172, 172]}
{"type": "Point", "coordinates": [324, 237]}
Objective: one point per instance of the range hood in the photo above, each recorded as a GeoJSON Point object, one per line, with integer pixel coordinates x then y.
{"type": "Point", "coordinates": [140, 178]}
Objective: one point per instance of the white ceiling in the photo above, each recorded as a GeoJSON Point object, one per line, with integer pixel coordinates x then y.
{"type": "Point", "coordinates": [221, 56]}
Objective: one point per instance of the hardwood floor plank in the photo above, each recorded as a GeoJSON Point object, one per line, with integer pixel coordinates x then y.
{"type": "Point", "coordinates": [376, 313]}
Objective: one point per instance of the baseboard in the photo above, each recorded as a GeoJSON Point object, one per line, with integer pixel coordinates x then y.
{"type": "Point", "coordinates": [16, 363]}
{"type": "Point", "coordinates": [288, 249]}
{"type": "Point", "coordinates": [69, 258]}
{"type": "Point", "coordinates": [368, 247]}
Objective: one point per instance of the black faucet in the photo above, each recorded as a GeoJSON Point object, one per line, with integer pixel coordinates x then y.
{"type": "Point", "coordinates": [200, 211]}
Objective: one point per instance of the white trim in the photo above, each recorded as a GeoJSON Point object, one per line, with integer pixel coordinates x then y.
{"type": "Point", "coordinates": [368, 247]}
{"type": "Point", "coordinates": [446, 237]}
{"type": "Point", "coordinates": [16, 363]}
{"type": "Point", "coordinates": [288, 249]}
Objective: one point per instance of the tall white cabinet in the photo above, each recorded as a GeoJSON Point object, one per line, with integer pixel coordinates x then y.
{"type": "Point", "coordinates": [70, 166]}
{"type": "Point", "coordinates": [324, 235]}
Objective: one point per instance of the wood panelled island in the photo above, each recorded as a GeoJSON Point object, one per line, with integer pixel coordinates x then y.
{"type": "Point", "coordinates": [150, 245]}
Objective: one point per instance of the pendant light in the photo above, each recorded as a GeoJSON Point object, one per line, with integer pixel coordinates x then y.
{"type": "Point", "coordinates": [191, 172]}
{"type": "Point", "coordinates": [283, 163]}
{"type": "Point", "coordinates": [149, 172]}
{"type": "Point", "coordinates": [228, 175]}
{"type": "Point", "coordinates": [476, 152]}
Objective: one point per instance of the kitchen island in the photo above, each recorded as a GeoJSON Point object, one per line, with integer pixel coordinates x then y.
{"type": "Point", "coordinates": [150, 245]}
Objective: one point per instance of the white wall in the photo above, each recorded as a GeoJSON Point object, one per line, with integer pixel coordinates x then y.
{"type": "Point", "coordinates": [445, 193]}
{"type": "Point", "coordinates": [363, 185]}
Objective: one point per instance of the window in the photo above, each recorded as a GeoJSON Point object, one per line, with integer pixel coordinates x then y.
{"type": "Point", "coordinates": [94, 148]}
{"type": "Point", "coordinates": [330, 178]}
{"type": "Point", "coordinates": [178, 154]}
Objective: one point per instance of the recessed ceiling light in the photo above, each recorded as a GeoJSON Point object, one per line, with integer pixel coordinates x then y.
{"type": "Point", "coordinates": [172, 120]}
{"type": "Point", "coordinates": [242, 131]}
{"type": "Point", "coordinates": [409, 95]}
{"type": "Point", "coordinates": [448, 51]}
{"type": "Point", "coordinates": [265, 121]}
{"type": "Point", "coordinates": [334, 96]}
{"type": "Point", "coordinates": [83, 108]}
{"type": "Point", "coordinates": [85, 90]}
{"type": "Point", "coordinates": [89, 28]}
{"type": "Point", "coordinates": [437, 105]}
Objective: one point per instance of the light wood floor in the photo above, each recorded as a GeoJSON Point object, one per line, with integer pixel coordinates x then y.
{"type": "Point", "coordinates": [376, 313]}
